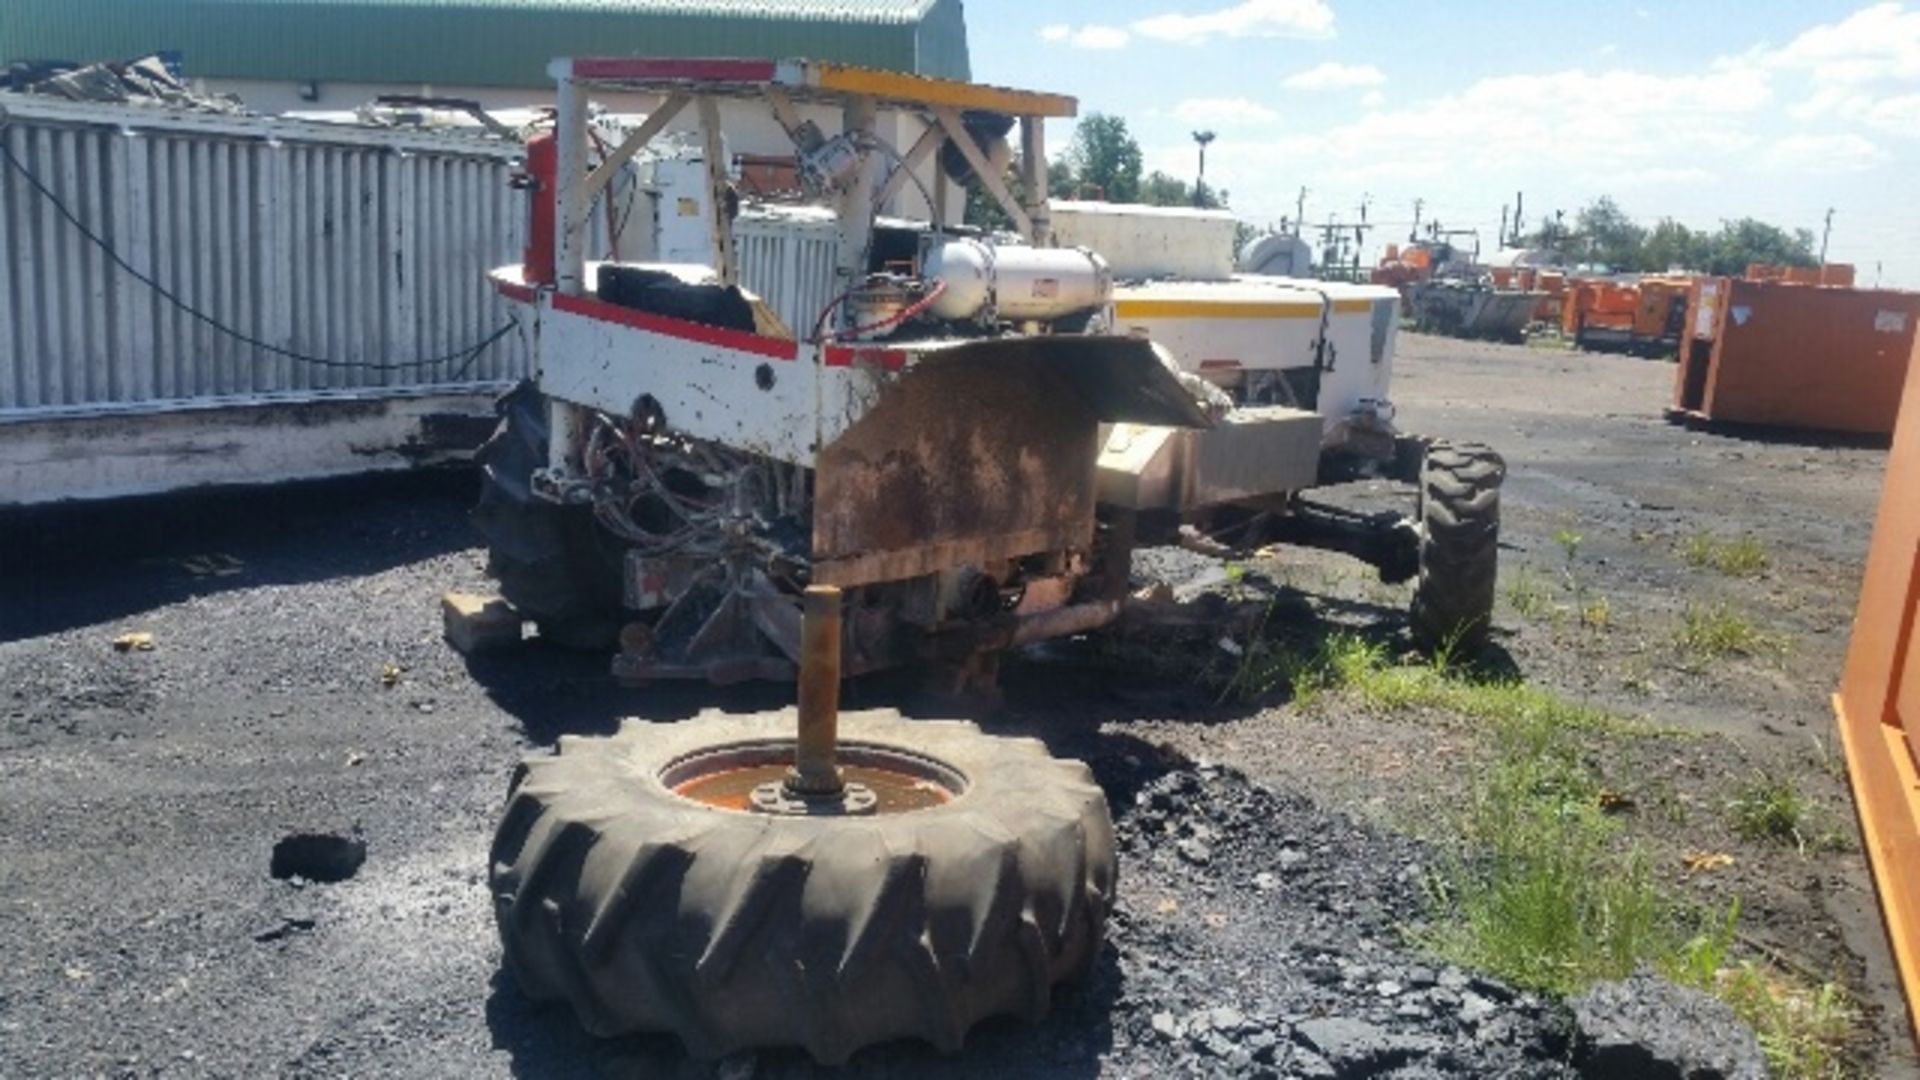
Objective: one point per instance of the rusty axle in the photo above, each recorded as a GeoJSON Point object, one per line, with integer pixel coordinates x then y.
{"type": "Point", "coordinates": [814, 772]}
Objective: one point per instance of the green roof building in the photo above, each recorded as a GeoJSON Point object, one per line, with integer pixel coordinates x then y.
{"type": "Point", "coordinates": [460, 44]}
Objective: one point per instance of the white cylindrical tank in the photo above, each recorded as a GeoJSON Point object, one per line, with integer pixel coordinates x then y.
{"type": "Point", "coordinates": [1279, 254]}
{"type": "Point", "coordinates": [1020, 282]}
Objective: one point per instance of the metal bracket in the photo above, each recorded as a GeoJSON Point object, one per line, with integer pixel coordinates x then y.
{"type": "Point", "coordinates": [995, 184]}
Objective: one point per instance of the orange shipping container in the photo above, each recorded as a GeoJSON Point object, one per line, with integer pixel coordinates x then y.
{"type": "Point", "coordinates": [1824, 359]}
{"type": "Point", "coordinates": [1878, 706]}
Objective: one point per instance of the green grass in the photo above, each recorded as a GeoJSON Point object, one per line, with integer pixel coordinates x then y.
{"type": "Point", "coordinates": [1718, 632]}
{"type": "Point", "coordinates": [1771, 807]}
{"type": "Point", "coordinates": [1527, 594]}
{"type": "Point", "coordinates": [1545, 891]}
{"type": "Point", "coordinates": [1803, 1029]}
{"type": "Point", "coordinates": [1742, 556]}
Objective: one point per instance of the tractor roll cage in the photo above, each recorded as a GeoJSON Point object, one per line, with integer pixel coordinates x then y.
{"type": "Point", "coordinates": [860, 94]}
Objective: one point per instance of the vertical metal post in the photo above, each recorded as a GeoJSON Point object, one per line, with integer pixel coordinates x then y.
{"type": "Point", "coordinates": [1033, 176]}
{"type": "Point", "coordinates": [855, 205]}
{"type": "Point", "coordinates": [570, 171]}
{"type": "Point", "coordinates": [814, 772]}
{"type": "Point", "coordinates": [719, 224]}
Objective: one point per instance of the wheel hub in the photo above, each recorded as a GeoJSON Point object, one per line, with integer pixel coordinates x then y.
{"type": "Point", "coordinates": [753, 778]}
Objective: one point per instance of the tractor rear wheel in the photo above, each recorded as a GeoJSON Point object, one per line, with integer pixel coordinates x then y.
{"type": "Point", "coordinates": [1459, 545]}
{"type": "Point", "coordinates": [551, 561]}
{"type": "Point", "coordinates": [632, 879]}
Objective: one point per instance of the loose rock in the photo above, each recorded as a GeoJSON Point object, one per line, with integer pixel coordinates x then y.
{"type": "Point", "coordinates": [1646, 1028]}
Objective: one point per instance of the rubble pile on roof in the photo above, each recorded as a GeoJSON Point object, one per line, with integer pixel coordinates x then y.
{"type": "Point", "coordinates": [147, 79]}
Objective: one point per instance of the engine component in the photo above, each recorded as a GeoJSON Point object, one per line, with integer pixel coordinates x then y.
{"type": "Point", "coordinates": [1015, 283]}
{"type": "Point", "coordinates": [826, 165]}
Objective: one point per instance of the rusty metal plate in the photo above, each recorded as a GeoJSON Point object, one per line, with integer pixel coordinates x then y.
{"type": "Point", "coordinates": [1120, 379]}
{"type": "Point", "coordinates": [976, 454]}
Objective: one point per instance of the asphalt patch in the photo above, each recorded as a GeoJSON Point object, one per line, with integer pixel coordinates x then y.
{"type": "Point", "coordinates": [322, 857]}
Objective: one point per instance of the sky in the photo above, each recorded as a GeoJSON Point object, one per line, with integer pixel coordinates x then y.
{"type": "Point", "coordinates": [1699, 111]}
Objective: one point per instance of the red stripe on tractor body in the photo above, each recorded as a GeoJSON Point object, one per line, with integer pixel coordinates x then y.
{"type": "Point", "coordinates": [885, 359]}
{"type": "Point", "coordinates": [737, 340]}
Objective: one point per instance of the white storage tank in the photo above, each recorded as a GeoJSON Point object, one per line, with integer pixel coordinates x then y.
{"type": "Point", "coordinates": [1141, 242]}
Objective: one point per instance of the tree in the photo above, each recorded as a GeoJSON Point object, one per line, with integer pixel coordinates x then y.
{"type": "Point", "coordinates": [1159, 189]}
{"type": "Point", "coordinates": [1105, 156]}
{"type": "Point", "coordinates": [1673, 246]}
{"type": "Point", "coordinates": [1603, 233]}
{"type": "Point", "coordinates": [1742, 243]}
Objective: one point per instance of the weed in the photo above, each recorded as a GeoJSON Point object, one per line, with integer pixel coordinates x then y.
{"type": "Point", "coordinates": [1596, 613]}
{"type": "Point", "coordinates": [1718, 632]}
{"type": "Point", "coordinates": [1743, 556]}
{"type": "Point", "coordinates": [1549, 900]}
{"type": "Point", "coordinates": [1530, 597]}
{"type": "Point", "coordinates": [1770, 808]}
{"type": "Point", "coordinates": [1569, 542]}
{"type": "Point", "coordinates": [1803, 1029]}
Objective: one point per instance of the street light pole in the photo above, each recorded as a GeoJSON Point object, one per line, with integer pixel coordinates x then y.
{"type": "Point", "coordinates": [1201, 138]}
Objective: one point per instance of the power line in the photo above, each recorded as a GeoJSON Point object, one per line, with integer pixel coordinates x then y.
{"type": "Point", "coordinates": [468, 354]}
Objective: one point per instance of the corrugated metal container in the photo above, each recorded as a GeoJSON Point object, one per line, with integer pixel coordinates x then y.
{"type": "Point", "coordinates": [786, 257]}
{"type": "Point", "coordinates": [349, 244]}
{"type": "Point", "coordinates": [1784, 355]}
{"type": "Point", "coordinates": [1878, 706]}
{"type": "Point", "coordinates": [479, 42]}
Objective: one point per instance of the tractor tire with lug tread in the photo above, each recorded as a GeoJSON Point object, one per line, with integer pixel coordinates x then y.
{"type": "Point", "coordinates": [1459, 545]}
{"type": "Point", "coordinates": [648, 911]}
{"type": "Point", "coordinates": [550, 561]}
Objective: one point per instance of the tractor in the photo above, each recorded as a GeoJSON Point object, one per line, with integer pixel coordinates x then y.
{"type": "Point", "coordinates": [843, 441]}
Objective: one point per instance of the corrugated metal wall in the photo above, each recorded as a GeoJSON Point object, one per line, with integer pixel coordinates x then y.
{"type": "Point", "coordinates": [354, 245]}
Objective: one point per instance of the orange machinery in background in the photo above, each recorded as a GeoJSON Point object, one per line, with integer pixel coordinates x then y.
{"type": "Point", "coordinates": [1878, 704]}
{"type": "Point", "coordinates": [1780, 354]}
{"type": "Point", "coordinates": [1643, 316]}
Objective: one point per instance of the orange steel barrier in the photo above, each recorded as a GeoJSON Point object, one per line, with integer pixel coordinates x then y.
{"type": "Point", "coordinates": [1878, 705]}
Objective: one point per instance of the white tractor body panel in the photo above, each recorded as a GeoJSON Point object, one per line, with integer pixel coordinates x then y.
{"type": "Point", "coordinates": [1219, 329]}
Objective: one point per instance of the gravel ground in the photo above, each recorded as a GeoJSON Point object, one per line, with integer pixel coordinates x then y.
{"type": "Point", "coordinates": [298, 682]}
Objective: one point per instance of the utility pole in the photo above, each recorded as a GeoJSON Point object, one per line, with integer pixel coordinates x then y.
{"type": "Point", "coordinates": [1300, 212]}
{"type": "Point", "coordinates": [1413, 234]}
{"type": "Point", "coordinates": [1503, 224]}
{"type": "Point", "coordinates": [1824, 234]}
{"type": "Point", "coordinates": [1519, 215]}
{"type": "Point", "coordinates": [1201, 138]}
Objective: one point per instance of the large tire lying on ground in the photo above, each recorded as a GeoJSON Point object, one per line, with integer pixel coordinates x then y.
{"type": "Point", "coordinates": [1459, 545]}
{"type": "Point", "coordinates": [550, 561]}
{"type": "Point", "coordinates": [649, 911]}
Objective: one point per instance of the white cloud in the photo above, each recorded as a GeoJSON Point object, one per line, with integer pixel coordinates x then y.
{"type": "Point", "coordinates": [1090, 36]}
{"type": "Point", "coordinates": [1897, 115]}
{"type": "Point", "coordinates": [1876, 43]}
{"type": "Point", "coordinates": [1252, 18]}
{"type": "Point", "coordinates": [1333, 75]}
{"type": "Point", "coordinates": [1847, 65]}
{"type": "Point", "coordinates": [1100, 37]}
{"type": "Point", "coordinates": [1823, 154]}
{"type": "Point", "coordinates": [1634, 129]}
{"type": "Point", "coordinates": [1373, 99]}
{"type": "Point", "coordinates": [1223, 111]}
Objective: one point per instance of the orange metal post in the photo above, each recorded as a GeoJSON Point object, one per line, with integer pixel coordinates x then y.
{"type": "Point", "coordinates": [1878, 705]}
